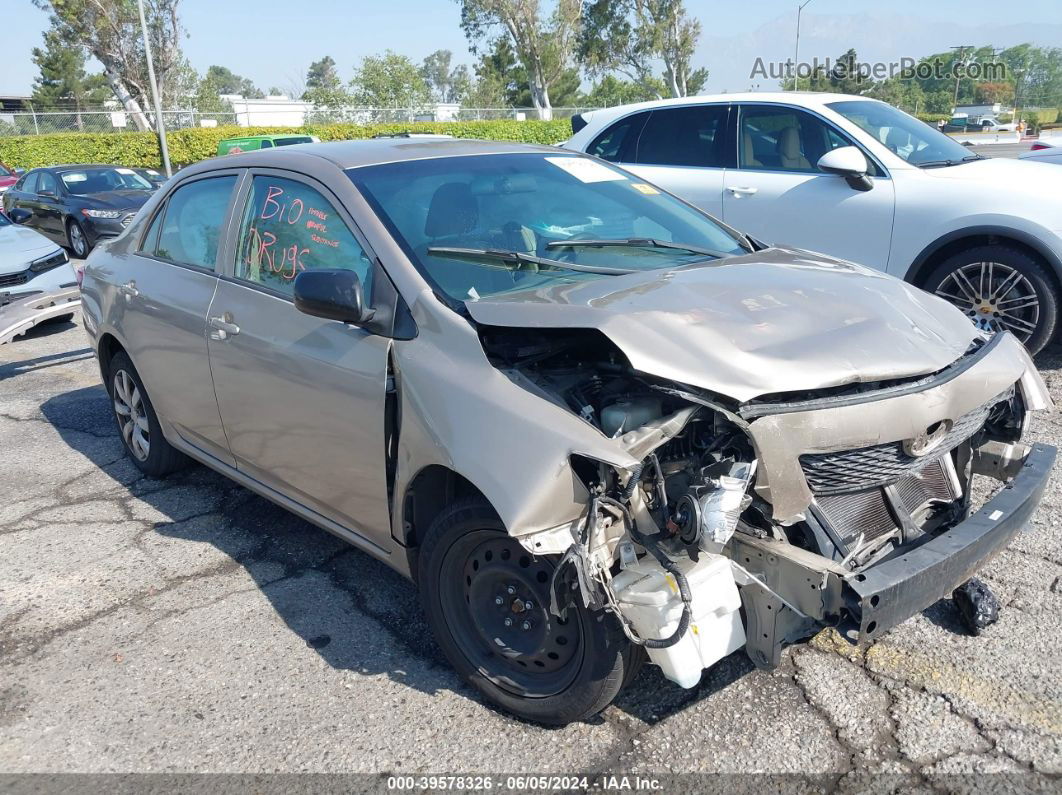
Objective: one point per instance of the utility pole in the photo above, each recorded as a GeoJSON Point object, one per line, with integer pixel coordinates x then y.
{"type": "Point", "coordinates": [796, 50]}
{"type": "Point", "coordinates": [159, 123]}
{"type": "Point", "coordinates": [959, 60]}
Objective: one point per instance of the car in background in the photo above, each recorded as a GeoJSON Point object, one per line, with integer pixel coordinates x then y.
{"type": "Point", "coordinates": [858, 179]}
{"type": "Point", "coordinates": [156, 178]}
{"type": "Point", "coordinates": [77, 205]}
{"type": "Point", "coordinates": [252, 143]}
{"type": "Point", "coordinates": [8, 177]}
{"type": "Point", "coordinates": [37, 281]}
{"type": "Point", "coordinates": [1046, 149]}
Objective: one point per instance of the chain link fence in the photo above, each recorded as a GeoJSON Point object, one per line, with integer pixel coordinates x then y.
{"type": "Point", "coordinates": [95, 121]}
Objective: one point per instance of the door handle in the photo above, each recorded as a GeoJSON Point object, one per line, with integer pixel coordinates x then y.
{"type": "Point", "coordinates": [223, 327]}
{"type": "Point", "coordinates": [741, 191]}
{"type": "Point", "coordinates": [129, 290]}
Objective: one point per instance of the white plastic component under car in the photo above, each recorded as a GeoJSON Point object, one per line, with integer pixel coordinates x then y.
{"type": "Point", "coordinates": [649, 598]}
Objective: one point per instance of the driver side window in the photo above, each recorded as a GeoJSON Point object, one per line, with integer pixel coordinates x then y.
{"type": "Point", "coordinates": [289, 227]}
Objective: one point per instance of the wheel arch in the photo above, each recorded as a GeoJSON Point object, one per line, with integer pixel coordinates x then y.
{"type": "Point", "coordinates": [106, 349]}
{"type": "Point", "coordinates": [425, 496]}
{"type": "Point", "coordinates": [970, 237]}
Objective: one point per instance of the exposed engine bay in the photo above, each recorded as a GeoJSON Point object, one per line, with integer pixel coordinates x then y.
{"type": "Point", "coordinates": [697, 549]}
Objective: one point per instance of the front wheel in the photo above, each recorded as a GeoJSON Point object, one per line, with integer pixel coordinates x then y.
{"type": "Point", "coordinates": [75, 235]}
{"type": "Point", "coordinates": [1000, 288]}
{"type": "Point", "coordinates": [487, 601]}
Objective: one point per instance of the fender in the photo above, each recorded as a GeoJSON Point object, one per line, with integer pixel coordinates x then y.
{"type": "Point", "coordinates": [917, 268]}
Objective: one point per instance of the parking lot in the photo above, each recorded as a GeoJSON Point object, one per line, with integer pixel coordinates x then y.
{"type": "Point", "coordinates": [187, 625]}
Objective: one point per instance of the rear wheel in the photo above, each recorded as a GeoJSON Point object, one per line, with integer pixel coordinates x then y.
{"type": "Point", "coordinates": [487, 600]}
{"type": "Point", "coordinates": [137, 422]}
{"type": "Point", "coordinates": [1000, 288]}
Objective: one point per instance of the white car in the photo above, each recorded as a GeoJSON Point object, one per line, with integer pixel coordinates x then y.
{"type": "Point", "coordinates": [37, 281]}
{"type": "Point", "coordinates": [1046, 149]}
{"type": "Point", "coordinates": [857, 179]}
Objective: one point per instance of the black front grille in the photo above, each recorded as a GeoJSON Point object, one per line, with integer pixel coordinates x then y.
{"type": "Point", "coordinates": [856, 470]}
{"type": "Point", "coordinates": [14, 279]}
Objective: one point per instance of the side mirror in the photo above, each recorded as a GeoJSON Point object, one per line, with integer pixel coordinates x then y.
{"type": "Point", "coordinates": [850, 163]}
{"type": "Point", "coordinates": [333, 295]}
{"type": "Point", "coordinates": [18, 215]}
{"type": "Point", "coordinates": [45, 192]}
{"type": "Point", "coordinates": [19, 171]}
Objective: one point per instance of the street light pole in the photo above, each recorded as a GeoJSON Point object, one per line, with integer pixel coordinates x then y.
{"type": "Point", "coordinates": [796, 51]}
{"type": "Point", "coordinates": [960, 61]}
{"type": "Point", "coordinates": [155, 92]}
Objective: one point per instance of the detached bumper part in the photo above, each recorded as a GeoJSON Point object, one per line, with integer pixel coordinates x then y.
{"type": "Point", "coordinates": [883, 595]}
{"type": "Point", "coordinates": [21, 313]}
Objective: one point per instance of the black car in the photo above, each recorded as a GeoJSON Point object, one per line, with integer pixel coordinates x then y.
{"type": "Point", "coordinates": [77, 205]}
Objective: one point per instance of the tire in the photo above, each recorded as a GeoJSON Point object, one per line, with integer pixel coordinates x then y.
{"type": "Point", "coordinates": [78, 240]}
{"type": "Point", "coordinates": [979, 280]}
{"type": "Point", "coordinates": [554, 673]}
{"type": "Point", "coordinates": [150, 451]}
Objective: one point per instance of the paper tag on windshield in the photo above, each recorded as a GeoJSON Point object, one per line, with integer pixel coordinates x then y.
{"type": "Point", "coordinates": [125, 171]}
{"type": "Point", "coordinates": [586, 170]}
{"type": "Point", "coordinates": [648, 190]}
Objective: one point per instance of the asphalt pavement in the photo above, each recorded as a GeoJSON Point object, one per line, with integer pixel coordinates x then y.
{"type": "Point", "coordinates": [186, 625]}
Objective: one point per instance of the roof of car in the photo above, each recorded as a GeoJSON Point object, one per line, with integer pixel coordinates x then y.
{"type": "Point", "coordinates": [353, 154]}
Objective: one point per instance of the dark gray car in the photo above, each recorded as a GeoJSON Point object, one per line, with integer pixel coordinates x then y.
{"type": "Point", "coordinates": [591, 422]}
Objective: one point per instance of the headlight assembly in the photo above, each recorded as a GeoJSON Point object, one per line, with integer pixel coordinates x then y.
{"type": "Point", "coordinates": [49, 262]}
{"type": "Point", "coordinates": [109, 214]}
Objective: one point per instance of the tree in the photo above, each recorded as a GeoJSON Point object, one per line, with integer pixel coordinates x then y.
{"type": "Point", "coordinates": [543, 44]}
{"type": "Point", "coordinates": [228, 82]}
{"type": "Point", "coordinates": [389, 81]}
{"type": "Point", "coordinates": [630, 36]}
{"type": "Point", "coordinates": [322, 76]}
{"type": "Point", "coordinates": [110, 31]}
{"type": "Point", "coordinates": [62, 83]}
{"type": "Point", "coordinates": [610, 91]}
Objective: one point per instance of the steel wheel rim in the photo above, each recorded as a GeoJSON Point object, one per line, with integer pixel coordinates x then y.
{"type": "Point", "coordinates": [77, 239]}
{"type": "Point", "coordinates": [132, 415]}
{"type": "Point", "coordinates": [996, 297]}
{"type": "Point", "coordinates": [535, 662]}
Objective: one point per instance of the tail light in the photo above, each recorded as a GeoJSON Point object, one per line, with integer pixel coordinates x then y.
{"type": "Point", "coordinates": [1037, 146]}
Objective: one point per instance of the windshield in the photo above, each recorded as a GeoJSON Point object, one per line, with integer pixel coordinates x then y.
{"type": "Point", "coordinates": [913, 140]}
{"type": "Point", "coordinates": [522, 203]}
{"type": "Point", "coordinates": [4, 171]}
{"type": "Point", "coordinates": [97, 180]}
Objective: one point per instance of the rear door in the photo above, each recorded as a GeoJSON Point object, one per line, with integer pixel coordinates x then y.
{"type": "Point", "coordinates": [683, 149]}
{"type": "Point", "coordinates": [164, 290]}
{"type": "Point", "coordinates": [778, 194]}
{"type": "Point", "coordinates": [302, 398]}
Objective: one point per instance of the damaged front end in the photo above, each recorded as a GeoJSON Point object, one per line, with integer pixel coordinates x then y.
{"type": "Point", "coordinates": [756, 523]}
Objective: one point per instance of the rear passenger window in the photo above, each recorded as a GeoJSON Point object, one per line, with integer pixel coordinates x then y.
{"type": "Point", "coordinates": [615, 142]}
{"type": "Point", "coordinates": [692, 136]}
{"type": "Point", "coordinates": [29, 182]}
{"type": "Point", "coordinates": [191, 223]}
{"type": "Point", "coordinates": [287, 228]}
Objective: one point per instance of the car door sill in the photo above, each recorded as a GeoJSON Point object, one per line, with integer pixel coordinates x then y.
{"type": "Point", "coordinates": [297, 508]}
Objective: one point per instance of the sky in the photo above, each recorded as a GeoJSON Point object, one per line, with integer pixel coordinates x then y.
{"type": "Point", "coordinates": [274, 41]}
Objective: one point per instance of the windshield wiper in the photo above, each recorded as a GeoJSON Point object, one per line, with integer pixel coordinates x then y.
{"type": "Point", "coordinates": [952, 162]}
{"type": "Point", "coordinates": [638, 242]}
{"type": "Point", "coordinates": [497, 255]}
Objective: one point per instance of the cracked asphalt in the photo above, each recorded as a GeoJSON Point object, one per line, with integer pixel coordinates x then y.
{"type": "Point", "coordinates": [187, 625]}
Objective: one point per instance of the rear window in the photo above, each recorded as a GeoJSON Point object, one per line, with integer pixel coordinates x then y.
{"type": "Point", "coordinates": [302, 139]}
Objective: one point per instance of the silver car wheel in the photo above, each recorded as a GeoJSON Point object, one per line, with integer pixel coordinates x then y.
{"type": "Point", "coordinates": [996, 297]}
{"type": "Point", "coordinates": [132, 416]}
{"type": "Point", "coordinates": [77, 240]}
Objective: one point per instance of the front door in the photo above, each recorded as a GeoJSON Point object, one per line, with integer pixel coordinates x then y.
{"type": "Point", "coordinates": [778, 194]}
{"type": "Point", "coordinates": [302, 399]}
{"type": "Point", "coordinates": [163, 292]}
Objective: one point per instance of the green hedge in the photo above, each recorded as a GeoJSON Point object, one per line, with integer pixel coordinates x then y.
{"type": "Point", "coordinates": [193, 145]}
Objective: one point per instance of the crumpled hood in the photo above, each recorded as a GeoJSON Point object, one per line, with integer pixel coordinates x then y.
{"type": "Point", "coordinates": [20, 245]}
{"type": "Point", "coordinates": [779, 320]}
